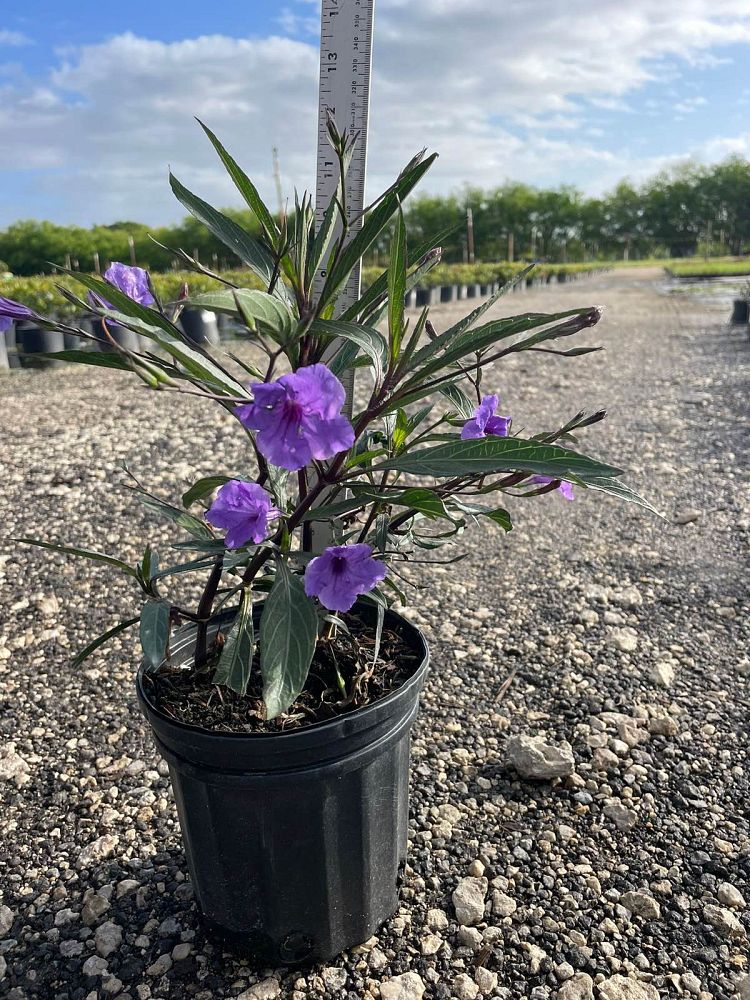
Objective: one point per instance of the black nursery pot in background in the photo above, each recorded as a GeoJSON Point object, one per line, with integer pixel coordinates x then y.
{"type": "Point", "coordinates": [294, 840]}
{"type": "Point", "coordinates": [126, 338]}
{"type": "Point", "coordinates": [32, 343]}
{"type": "Point", "coordinates": [200, 326]}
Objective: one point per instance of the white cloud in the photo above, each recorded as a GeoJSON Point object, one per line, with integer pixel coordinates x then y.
{"type": "Point", "coordinates": [13, 39]}
{"type": "Point", "coordinates": [465, 77]}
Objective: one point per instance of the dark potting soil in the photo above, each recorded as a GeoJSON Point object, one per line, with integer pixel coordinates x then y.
{"type": "Point", "coordinates": [342, 678]}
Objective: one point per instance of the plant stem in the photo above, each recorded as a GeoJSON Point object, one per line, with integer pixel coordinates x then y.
{"type": "Point", "coordinates": [204, 612]}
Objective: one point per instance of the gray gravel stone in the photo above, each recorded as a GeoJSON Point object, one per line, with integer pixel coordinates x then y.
{"type": "Point", "coordinates": [468, 900]}
{"type": "Point", "coordinates": [408, 986]}
{"type": "Point", "coordinates": [536, 759]}
{"type": "Point", "coordinates": [579, 987]}
{"type": "Point", "coordinates": [627, 988]}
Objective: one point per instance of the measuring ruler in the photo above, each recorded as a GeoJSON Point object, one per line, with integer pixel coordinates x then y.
{"type": "Point", "coordinates": [346, 28]}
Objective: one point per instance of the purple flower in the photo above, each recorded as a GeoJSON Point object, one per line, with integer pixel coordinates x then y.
{"type": "Point", "coordinates": [298, 417]}
{"type": "Point", "coordinates": [12, 312]}
{"type": "Point", "coordinates": [132, 281]}
{"type": "Point", "coordinates": [485, 422]}
{"type": "Point", "coordinates": [341, 573]}
{"type": "Point", "coordinates": [244, 509]}
{"type": "Point", "coordinates": [565, 488]}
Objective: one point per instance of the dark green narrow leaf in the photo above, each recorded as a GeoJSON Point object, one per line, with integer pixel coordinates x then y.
{"type": "Point", "coordinates": [100, 640]}
{"type": "Point", "coordinates": [288, 632]}
{"type": "Point", "coordinates": [501, 517]}
{"type": "Point", "coordinates": [619, 490]}
{"type": "Point", "coordinates": [369, 339]}
{"type": "Point", "coordinates": [202, 488]}
{"type": "Point", "coordinates": [373, 226]}
{"type": "Point", "coordinates": [245, 186]}
{"type": "Point", "coordinates": [396, 288]}
{"type": "Point", "coordinates": [236, 660]}
{"type": "Point", "coordinates": [455, 394]}
{"type": "Point", "coordinates": [83, 553]}
{"type": "Point", "coordinates": [188, 522]}
{"type": "Point", "coordinates": [155, 630]}
{"type": "Point", "coordinates": [249, 250]}
{"type": "Point", "coordinates": [101, 359]}
{"type": "Point", "coordinates": [483, 456]}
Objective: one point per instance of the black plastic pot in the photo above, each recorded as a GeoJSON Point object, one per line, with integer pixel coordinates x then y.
{"type": "Point", "coordinates": [33, 343]}
{"type": "Point", "coordinates": [200, 326]}
{"type": "Point", "coordinates": [740, 311]}
{"type": "Point", "coordinates": [295, 840]}
{"type": "Point", "coordinates": [126, 338]}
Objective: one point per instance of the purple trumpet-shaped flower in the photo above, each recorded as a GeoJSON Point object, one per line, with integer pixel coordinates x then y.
{"type": "Point", "coordinates": [131, 281]}
{"type": "Point", "coordinates": [565, 488]}
{"type": "Point", "coordinates": [298, 417]}
{"type": "Point", "coordinates": [244, 509]}
{"type": "Point", "coordinates": [485, 422]}
{"type": "Point", "coordinates": [341, 574]}
{"type": "Point", "coordinates": [13, 312]}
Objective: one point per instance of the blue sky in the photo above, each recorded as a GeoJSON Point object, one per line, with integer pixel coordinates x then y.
{"type": "Point", "coordinates": [96, 100]}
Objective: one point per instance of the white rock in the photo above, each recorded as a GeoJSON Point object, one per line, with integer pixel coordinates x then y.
{"type": "Point", "coordinates": [641, 904]}
{"type": "Point", "coordinates": [723, 921]}
{"type": "Point", "coordinates": [267, 989]}
{"type": "Point", "coordinates": [624, 639]}
{"type": "Point", "coordinates": [6, 920]}
{"type": "Point", "coordinates": [533, 758]}
{"type": "Point", "coordinates": [580, 987]}
{"type": "Point", "coordinates": [334, 978]}
{"type": "Point", "coordinates": [94, 966]}
{"type": "Point", "coordinates": [744, 988]}
{"type": "Point", "coordinates": [13, 767]}
{"type": "Point", "coordinates": [628, 597]}
{"type": "Point", "coordinates": [470, 937]}
{"type": "Point", "coordinates": [624, 988]}
{"type": "Point", "coordinates": [3, 968]}
{"type": "Point", "coordinates": [431, 944]}
{"type": "Point", "coordinates": [730, 895]}
{"type": "Point", "coordinates": [468, 899]}
{"type": "Point", "coordinates": [108, 938]}
{"type": "Point", "coordinates": [98, 850]}
{"type": "Point", "coordinates": [502, 905]}
{"type": "Point", "coordinates": [181, 951]}
{"type": "Point", "coordinates": [437, 920]}
{"type": "Point", "coordinates": [485, 980]}
{"type": "Point", "coordinates": [465, 988]}
{"type": "Point", "coordinates": [536, 956]}
{"type": "Point", "coordinates": [93, 908]}
{"type": "Point", "coordinates": [409, 986]}
{"type": "Point", "coordinates": [662, 673]}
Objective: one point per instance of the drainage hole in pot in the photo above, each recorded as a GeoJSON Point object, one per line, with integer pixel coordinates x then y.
{"type": "Point", "coordinates": [296, 947]}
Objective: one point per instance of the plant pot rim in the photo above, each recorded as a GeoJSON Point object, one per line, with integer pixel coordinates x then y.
{"type": "Point", "coordinates": [358, 718]}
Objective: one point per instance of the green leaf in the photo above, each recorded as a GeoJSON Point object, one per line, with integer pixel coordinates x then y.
{"type": "Point", "coordinates": [344, 358]}
{"type": "Point", "coordinates": [373, 294]}
{"type": "Point", "coordinates": [245, 186]}
{"type": "Point", "coordinates": [156, 327]}
{"type": "Point", "coordinates": [619, 490]}
{"type": "Point", "coordinates": [100, 359]}
{"type": "Point", "coordinates": [396, 288]}
{"type": "Point", "coordinates": [189, 567]}
{"type": "Point", "coordinates": [288, 632]}
{"type": "Point", "coordinates": [455, 394]}
{"type": "Point", "coordinates": [236, 660]}
{"type": "Point", "coordinates": [501, 517]}
{"type": "Point", "coordinates": [155, 630]}
{"type": "Point", "coordinates": [370, 340]}
{"type": "Point", "coordinates": [100, 640]}
{"type": "Point", "coordinates": [188, 522]}
{"type": "Point", "coordinates": [260, 311]}
{"type": "Point", "coordinates": [84, 553]}
{"type": "Point", "coordinates": [202, 488]}
{"type": "Point", "coordinates": [483, 456]}
{"type": "Point", "coordinates": [374, 224]}
{"type": "Point", "coordinates": [250, 251]}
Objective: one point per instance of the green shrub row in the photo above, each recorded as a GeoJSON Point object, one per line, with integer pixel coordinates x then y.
{"type": "Point", "coordinates": [41, 293]}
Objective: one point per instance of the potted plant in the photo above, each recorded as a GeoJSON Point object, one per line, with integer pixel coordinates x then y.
{"type": "Point", "coordinates": [283, 701]}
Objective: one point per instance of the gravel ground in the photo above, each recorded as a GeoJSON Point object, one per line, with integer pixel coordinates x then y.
{"type": "Point", "coordinates": [594, 644]}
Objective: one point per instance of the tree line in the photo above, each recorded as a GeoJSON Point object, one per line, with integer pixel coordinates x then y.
{"type": "Point", "coordinates": [690, 209]}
